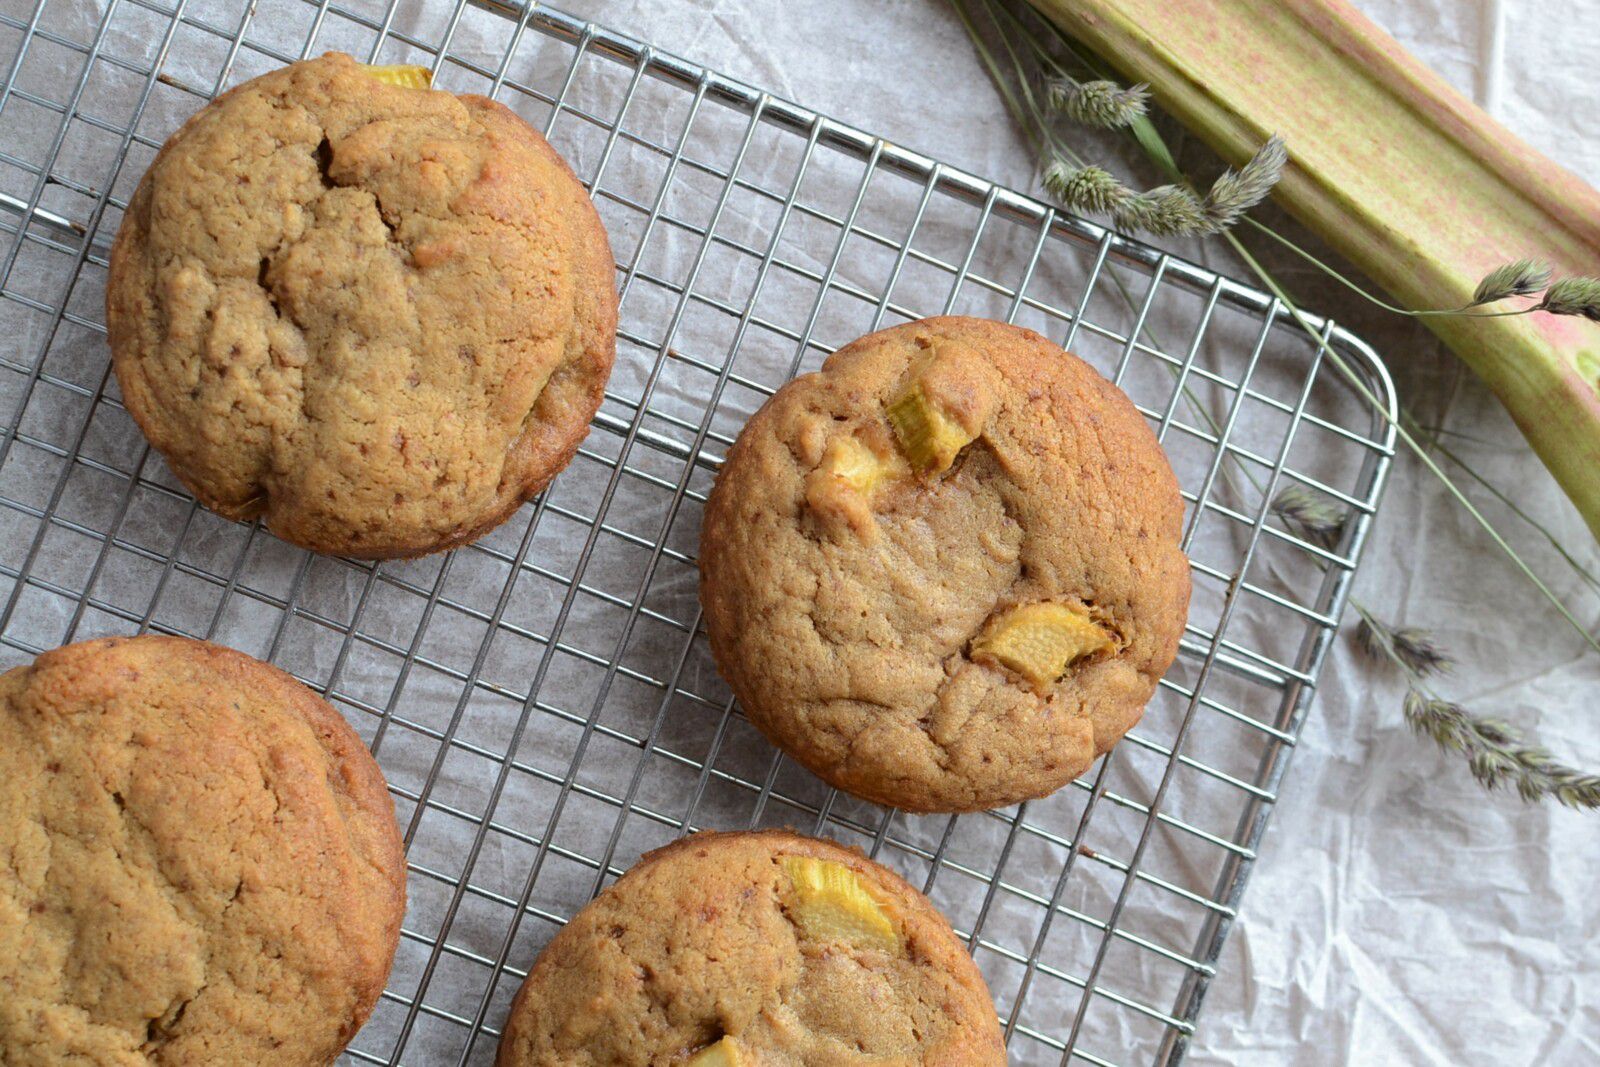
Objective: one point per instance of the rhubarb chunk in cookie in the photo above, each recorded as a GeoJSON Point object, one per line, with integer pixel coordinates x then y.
{"type": "Point", "coordinates": [944, 571]}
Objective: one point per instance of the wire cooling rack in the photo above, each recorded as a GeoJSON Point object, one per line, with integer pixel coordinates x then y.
{"type": "Point", "coordinates": [542, 702]}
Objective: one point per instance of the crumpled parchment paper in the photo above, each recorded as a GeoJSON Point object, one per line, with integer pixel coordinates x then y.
{"type": "Point", "coordinates": [1397, 913]}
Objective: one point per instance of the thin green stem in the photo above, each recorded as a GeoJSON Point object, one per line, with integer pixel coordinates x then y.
{"type": "Point", "coordinates": [1436, 432]}
{"type": "Point", "coordinates": [1469, 311]}
{"type": "Point", "coordinates": [1048, 61]}
{"type": "Point", "coordinates": [1326, 268]}
{"type": "Point", "coordinates": [1421, 453]}
{"type": "Point", "coordinates": [1022, 118]}
{"type": "Point", "coordinates": [1577, 565]}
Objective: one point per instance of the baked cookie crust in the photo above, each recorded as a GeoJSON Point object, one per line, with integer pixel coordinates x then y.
{"type": "Point", "coordinates": [199, 862]}
{"type": "Point", "coordinates": [379, 318]}
{"type": "Point", "coordinates": [944, 572]}
{"type": "Point", "coordinates": [766, 946]}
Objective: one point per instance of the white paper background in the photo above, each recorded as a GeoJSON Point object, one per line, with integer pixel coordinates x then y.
{"type": "Point", "coordinates": [1399, 915]}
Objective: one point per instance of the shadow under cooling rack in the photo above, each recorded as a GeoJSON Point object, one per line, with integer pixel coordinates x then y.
{"type": "Point", "coordinates": [542, 702]}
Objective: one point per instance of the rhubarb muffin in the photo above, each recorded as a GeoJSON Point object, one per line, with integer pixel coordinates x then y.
{"type": "Point", "coordinates": [944, 571]}
{"type": "Point", "coordinates": [377, 316]}
{"type": "Point", "coordinates": [199, 862]}
{"type": "Point", "coordinates": [739, 949]}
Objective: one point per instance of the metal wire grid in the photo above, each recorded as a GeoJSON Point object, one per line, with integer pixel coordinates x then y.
{"type": "Point", "coordinates": [542, 702]}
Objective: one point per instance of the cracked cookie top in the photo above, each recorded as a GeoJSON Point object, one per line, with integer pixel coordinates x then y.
{"type": "Point", "coordinates": [754, 950]}
{"type": "Point", "coordinates": [199, 863]}
{"type": "Point", "coordinates": [944, 571]}
{"type": "Point", "coordinates": [380, 318]}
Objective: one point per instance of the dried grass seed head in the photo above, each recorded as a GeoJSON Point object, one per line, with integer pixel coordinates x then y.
{"type": "Point", "coordinates": [1413, 649]}
{"type": "Point", "coordinates": [1525, 277]}
{"type": "Point", "coordinates": [1165, 211]}
{"type": "Point", "coordinates": [1319, 520]}
{"type": "Point", "coordinates": [1101, 104]}
{"type": "Point", "coordinates": [1236, 192]}
{"type": "Point", "coordinates": [1573, 296]}
{"type": "Point", "coordinates": [1087, 190]}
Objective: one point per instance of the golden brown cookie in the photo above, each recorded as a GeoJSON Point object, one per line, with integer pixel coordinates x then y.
{"type": "Point", "coordinates": [759, 949]}
{"type": "Point", "coordinates": [380, 318]}
{"type": "Point", "coordinates": [199, 862]}
{"type": "Point", "coordinates": [944, 572]}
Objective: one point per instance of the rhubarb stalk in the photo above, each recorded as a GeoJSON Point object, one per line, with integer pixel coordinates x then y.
{"type": "Point", "coordinates": [1401, 174]}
